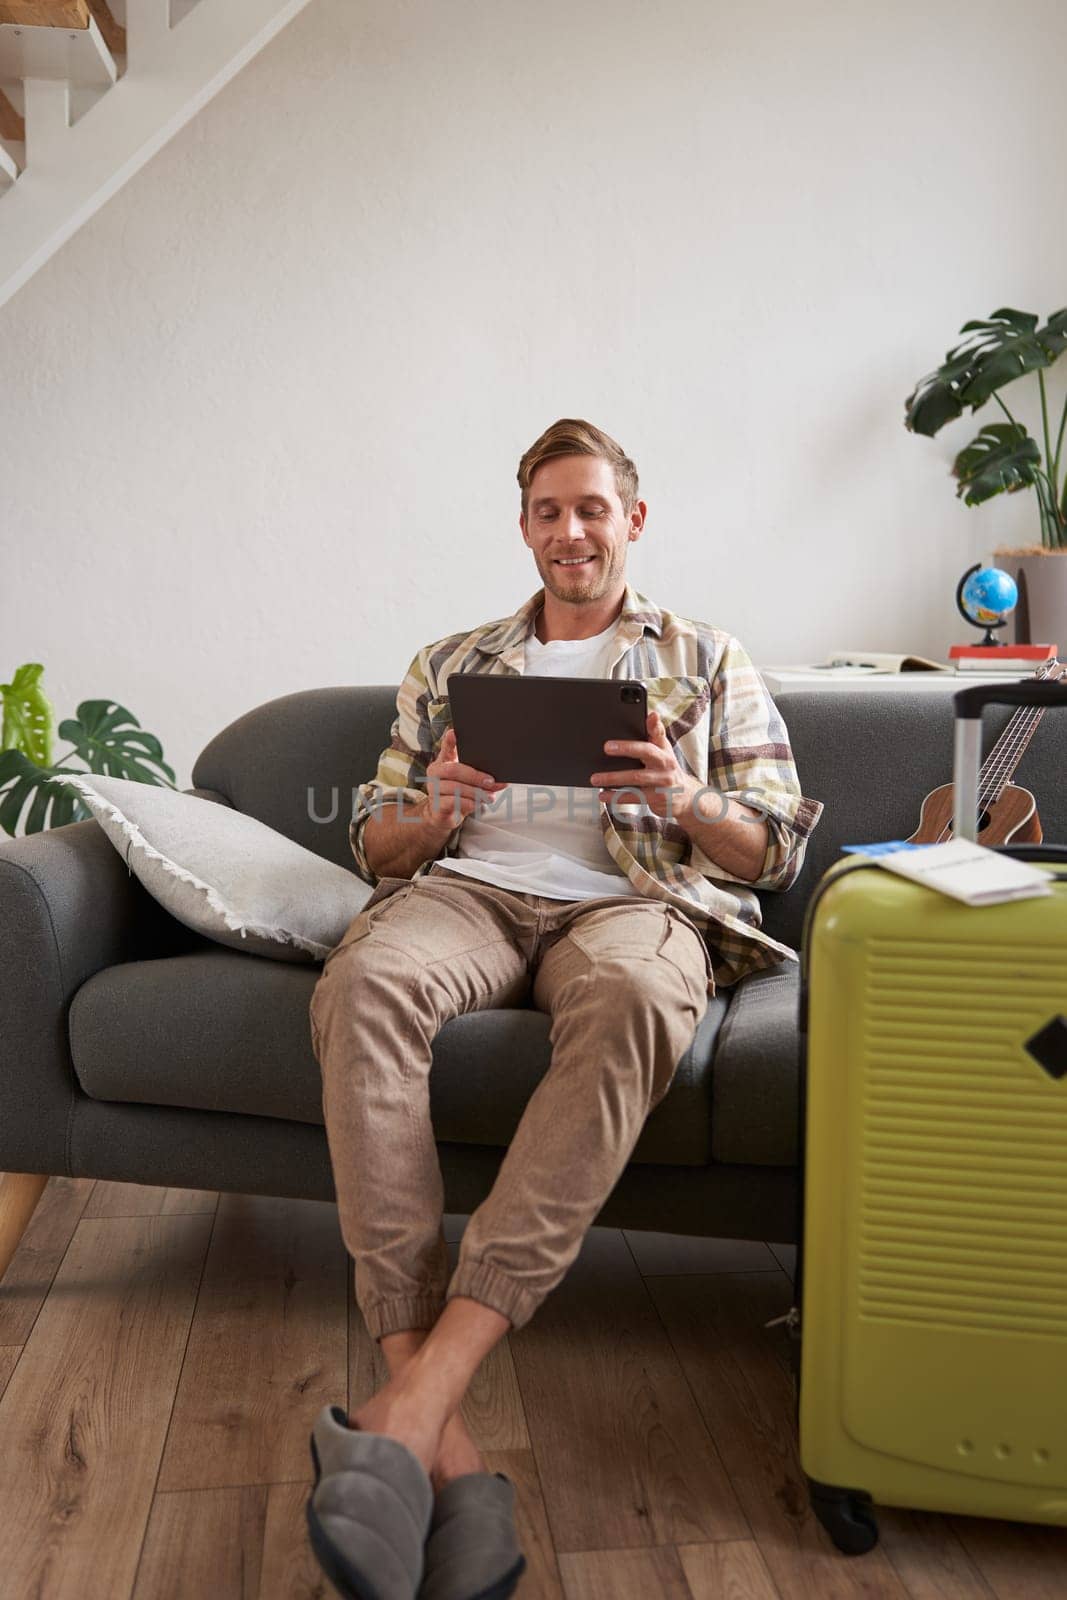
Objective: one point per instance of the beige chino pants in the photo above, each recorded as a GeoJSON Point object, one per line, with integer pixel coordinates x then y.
{"type": "Point", "coordinates": [625, 982]}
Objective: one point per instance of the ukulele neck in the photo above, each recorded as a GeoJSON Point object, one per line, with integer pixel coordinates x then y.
{"type": "Point", "coordinates": [998, 768]}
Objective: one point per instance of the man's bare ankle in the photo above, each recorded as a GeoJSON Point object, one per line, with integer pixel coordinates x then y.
{"type": "Point", "coordinates": [399, 1348]}
{"type": "Point", "coordinates": [411, 1426]}
{"type": "Point", "coordinates": [454, 1458]}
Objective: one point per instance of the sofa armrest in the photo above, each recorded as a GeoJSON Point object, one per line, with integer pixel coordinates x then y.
{"type": "Point", "coordinates": [68, 907]}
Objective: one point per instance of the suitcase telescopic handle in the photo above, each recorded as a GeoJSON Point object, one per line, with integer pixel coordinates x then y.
{"type": "Point", "coordinates": [970, 703]}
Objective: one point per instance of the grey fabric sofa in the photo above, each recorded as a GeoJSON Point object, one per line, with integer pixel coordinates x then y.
{"type": "Point", "coordinates": [132, 1049]}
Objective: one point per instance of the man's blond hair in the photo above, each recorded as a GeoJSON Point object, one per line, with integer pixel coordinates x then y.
{"type": "Point", "coordinates": [570, 436]}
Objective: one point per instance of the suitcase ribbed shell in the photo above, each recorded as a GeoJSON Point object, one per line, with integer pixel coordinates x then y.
{"type": "Point", "coordinates": [934, 1359]}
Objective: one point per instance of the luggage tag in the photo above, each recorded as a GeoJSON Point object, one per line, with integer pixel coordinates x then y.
{"type": "Point", "coordinates": [883, 848]}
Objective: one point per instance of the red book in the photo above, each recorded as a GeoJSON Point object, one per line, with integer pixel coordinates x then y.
{"type": "Point", "coordinates": [1001, 652]}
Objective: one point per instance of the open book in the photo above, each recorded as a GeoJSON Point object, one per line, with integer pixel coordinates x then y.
{"type": "Point", "coordinates": [878, 661]}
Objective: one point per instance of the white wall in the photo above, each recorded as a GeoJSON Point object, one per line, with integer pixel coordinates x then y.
{"type": "Point", "coordinates": [260, 419]}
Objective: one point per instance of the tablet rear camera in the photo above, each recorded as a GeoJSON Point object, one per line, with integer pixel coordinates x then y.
{"type": "Point", "coordinates": [631, 697]}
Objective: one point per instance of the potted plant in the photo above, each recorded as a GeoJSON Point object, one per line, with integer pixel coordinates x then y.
{"type": "Point", "coordinates": [1004, 457]}
{"type": "Point", "coordinates": [106, 737]}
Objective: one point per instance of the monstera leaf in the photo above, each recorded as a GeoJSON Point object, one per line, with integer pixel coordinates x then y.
{"type": "Point", "coordinates": [50, 806]}
{"type": "Point", "coordinates": [111, 741]}
{"type": "Point", "coordinates": [29, 720]}
{"type": "Point", "coordinates": [106, 736]}
{"type": "Point", "coordinates": [1000, 349]}
{"type": "Point", "coordinates": [1001, 460]}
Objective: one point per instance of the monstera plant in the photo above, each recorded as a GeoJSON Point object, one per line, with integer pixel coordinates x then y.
{"type": "Point", "coordinates": [1004, 457]}
{"type": "Point", "coordinates": [106, 739]}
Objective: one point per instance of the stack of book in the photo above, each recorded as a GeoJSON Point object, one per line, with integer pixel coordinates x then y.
{"type": "Point", "coordinates": [1014, 659]}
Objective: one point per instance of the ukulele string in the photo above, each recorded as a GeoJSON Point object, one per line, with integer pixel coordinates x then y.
{"type": "Point", "coordinates": [1012, 752]}
{"type": "Point", "coordinates": [1005, 759]}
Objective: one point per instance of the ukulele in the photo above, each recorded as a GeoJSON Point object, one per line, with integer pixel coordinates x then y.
{"type": "Point", "coordinates": [1006, 813]}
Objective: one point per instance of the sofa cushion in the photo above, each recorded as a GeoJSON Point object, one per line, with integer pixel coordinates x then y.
{"type": "Point", "coordinates": [755, 1092]}
{"type": "Point", "coordinates": [225, 875]}
{"type": "Point", "coordinates": [219, 1031]}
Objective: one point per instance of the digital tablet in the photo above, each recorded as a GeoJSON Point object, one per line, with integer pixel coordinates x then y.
{"type": "Point", "coordinates": [545, 730]}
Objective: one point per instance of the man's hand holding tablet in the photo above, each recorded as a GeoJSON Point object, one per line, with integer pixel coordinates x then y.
{"type": "Point", "coordinates": [453, 788]}
{"type": "Point", "coordinates": [655, 778]}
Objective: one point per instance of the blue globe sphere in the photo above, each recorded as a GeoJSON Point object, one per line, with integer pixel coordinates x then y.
{"type": "Point", "coordinates": [989, 595]}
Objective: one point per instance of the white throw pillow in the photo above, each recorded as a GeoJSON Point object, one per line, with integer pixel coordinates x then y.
{"type": "Point", "coordinates": [225, 874]}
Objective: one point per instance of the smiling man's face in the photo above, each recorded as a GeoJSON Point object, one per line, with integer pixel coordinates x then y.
{"type": "Point", "coordinates": [577, 529]}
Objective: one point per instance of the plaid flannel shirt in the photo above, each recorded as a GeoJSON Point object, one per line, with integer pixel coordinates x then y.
{"type": "Point", "coordinates": [725, 731]}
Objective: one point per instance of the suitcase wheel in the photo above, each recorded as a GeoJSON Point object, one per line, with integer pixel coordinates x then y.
{"type": "Point", "coordinates": [846, 1515]}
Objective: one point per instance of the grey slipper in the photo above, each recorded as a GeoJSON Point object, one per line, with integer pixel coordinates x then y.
{"type": "Point", "coordinates": [473, 1550]}
{"type": "Point", "coordinates": [369, 1511]}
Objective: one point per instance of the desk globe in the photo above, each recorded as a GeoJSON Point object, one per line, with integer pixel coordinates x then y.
{"type": "Point", "coordinates": [986, 597]}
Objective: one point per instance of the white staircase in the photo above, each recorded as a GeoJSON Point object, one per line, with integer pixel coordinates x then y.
{"type": "Point", "coordinates": [91, 89]}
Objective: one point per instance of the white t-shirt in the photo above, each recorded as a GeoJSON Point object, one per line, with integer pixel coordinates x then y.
{"type": "Point", "coordinates": [519, 842]}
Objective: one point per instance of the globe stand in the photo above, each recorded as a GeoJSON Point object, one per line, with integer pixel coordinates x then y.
{"type": "Point", "coordinates": [987, 638]}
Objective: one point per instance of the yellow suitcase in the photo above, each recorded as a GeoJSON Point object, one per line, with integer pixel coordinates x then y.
{"type": "Point", "coordinates": [933, 1280]}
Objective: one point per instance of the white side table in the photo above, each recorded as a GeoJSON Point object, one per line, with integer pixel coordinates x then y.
{"type": "Point", "coordinates": [779, 678]}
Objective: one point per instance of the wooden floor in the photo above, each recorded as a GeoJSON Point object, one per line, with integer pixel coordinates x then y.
{"type": "Point", "coordinates": [163, 1354]}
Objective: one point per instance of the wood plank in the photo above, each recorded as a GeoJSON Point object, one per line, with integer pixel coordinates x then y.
{"type": "Point", "coordinates": [657, 1254]}
{"type": "Point", "coordinates": [266, 1348]}
{"type": "Point", "coordinates": [730, 1571]}
{"type": "Point", "coordinates": [12, 123]}
{"type": "Point", "coordinates": [930, 1559]}
{"type": "Point", "coordinates": [205, 1543]}
{"type": "Point", "coordinates": [9, 1354]}
{"type": "Point", "coordinates": [542, 1578]}
{"type": "Point", "coordinates": [624, 1575]}
{"type": "Point", "coordinates": [625, 1459]}
{"type": "Point", "coordinates": [113, 32]}
{"type": "Point", "coordinates": [125, 1200]}
{"type": "Point", "coordinates": [786, 1255]}
{"type": "Point", "coordinates": [84, 1415]}
{"type": "Point", "coordinates": [147, 1200]}
{"type": "Point", "coordinates": [190, 1202]}
{"type": "Point", "coordinates": [289, 1568]}
{"type": "Point", "coordinates": [34, 1265]}
{"type": "Point", "coordinates": [492, 1406]}
{"type": "Point", "coordinates": [742, 1386]}
{"type": "Point", "coordinates": [1019, 1560]}
{"type": "Point", "coordinates": [45, 13]}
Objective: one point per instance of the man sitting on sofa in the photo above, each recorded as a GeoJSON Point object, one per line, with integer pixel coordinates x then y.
{"type": "Point", "coordinates": [616, 918]}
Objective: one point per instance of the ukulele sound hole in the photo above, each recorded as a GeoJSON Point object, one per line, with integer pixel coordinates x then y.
{"type": "Point", "coordinates": [983, 821]}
